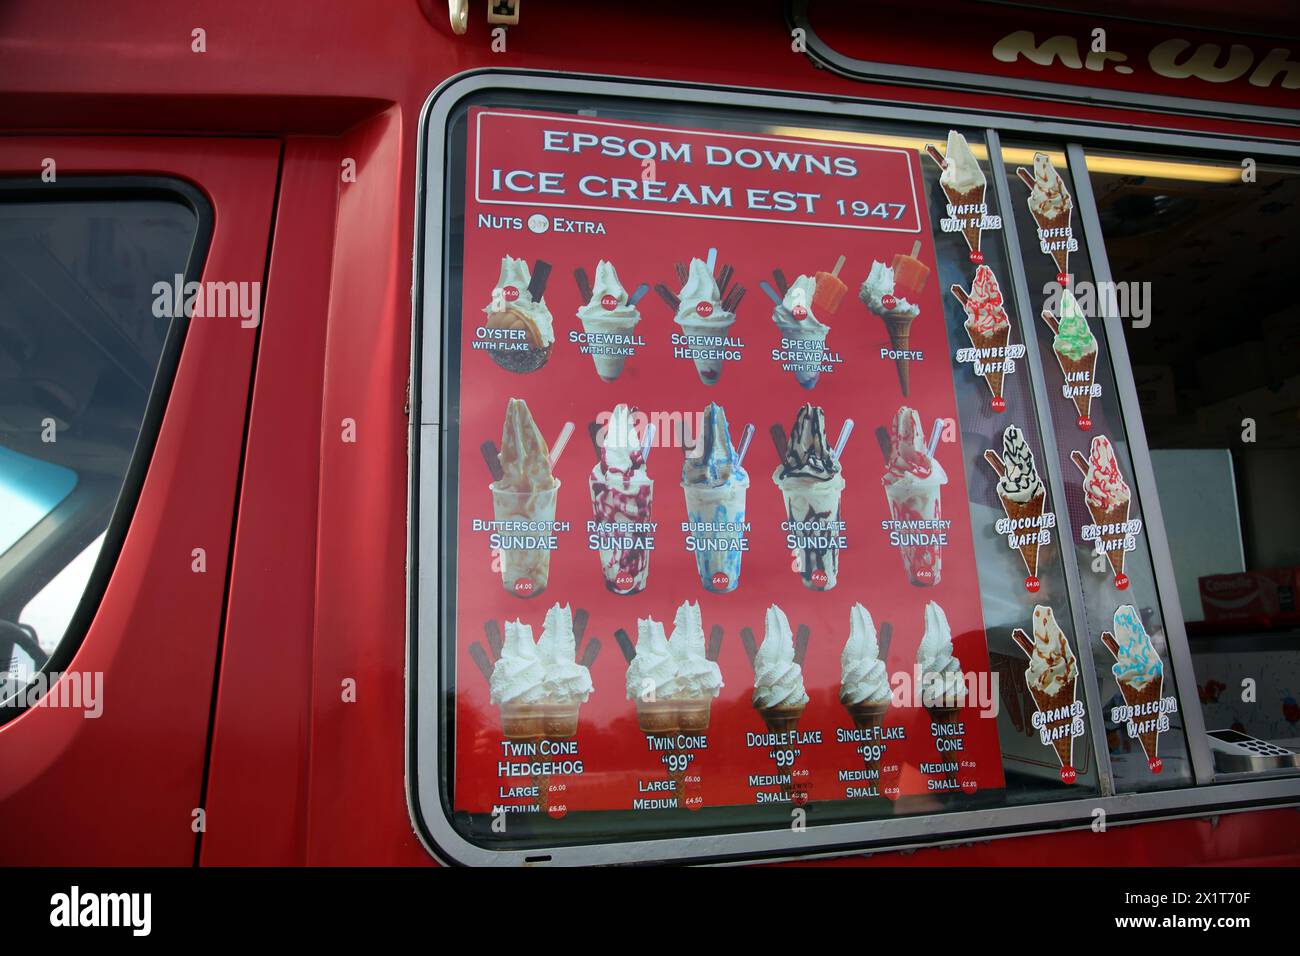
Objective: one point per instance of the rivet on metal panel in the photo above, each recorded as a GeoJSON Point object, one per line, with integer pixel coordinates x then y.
{"type": "Point", "coordinates": [503, 11]}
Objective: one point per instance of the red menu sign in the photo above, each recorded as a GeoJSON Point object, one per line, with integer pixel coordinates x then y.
{"type": "Point", "coordinates": [713, 536]}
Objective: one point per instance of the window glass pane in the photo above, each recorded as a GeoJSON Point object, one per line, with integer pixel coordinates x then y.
{"type": "Point", "coordinates": [80, 344]}
{"type": "Point", "coordinates": [1126, 636]}
{"type": "Point", "coordinates": [568, 715]}
{"type": "Point", "coordinates": [1210, 245]}
{"type": "Point", "coordinates": [31, 488]}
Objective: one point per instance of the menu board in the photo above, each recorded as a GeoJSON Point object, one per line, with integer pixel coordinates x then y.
{"type": "Point", "coordinates": [713, 543]}
{"type": "Point", "coordinates": [1120, 600]}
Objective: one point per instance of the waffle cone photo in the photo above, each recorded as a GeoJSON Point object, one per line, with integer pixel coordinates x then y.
{"type": "Point", "coordinates": [523, 721]}
{"type": "Point", "coordinates": [867, 715]}
{"type": "Point", "coordinates": [971, 197]}
{"type": "Point", "coordinates": [997, 339]}
{"type": "Point", "coordinates": [1060, 221]}
{"type": "Point", "coordinates": [1030, 510]}
{"type": "Point", "coordinates": [561, 719]}
{"type": "Point", "coordinates": [900, 334]}
{"type": "Point", "coordinates": [693, 714]}
{"type": "Point", "coordinates": [1115, 515]}
{"type": "Point", "coordinates": [1079, 373]}
{"type": "Point", "coordinates": [1049, 703]}
{"type": "Point", "coordinates": [657, 716]}
{"type": "Point", "coordinates": [781, 720]}
{"type": "Point", "coordinates": [1137, 697]}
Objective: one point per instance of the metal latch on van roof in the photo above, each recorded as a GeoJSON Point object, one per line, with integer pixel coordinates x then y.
{"type": "Point", "coordinates": [499, 11]}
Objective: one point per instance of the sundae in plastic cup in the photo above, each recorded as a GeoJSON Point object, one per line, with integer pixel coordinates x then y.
{"type": "Point", "coordinates": [912, 481]}
{"type": "Point", "coordinates": [811, 484]}
{"type": "Point", "coordinates": [621, 498]}
{"type": "Point", "coordinates": [805, 333]}
{"type": "Point", "coordinates": [715, 486]}
{"type": "Point", "coordinates": [608, 319]}
{"type": "Point", "coordinates": [701, 316]}
{"type": "Point", "coordinates": [525, 498]}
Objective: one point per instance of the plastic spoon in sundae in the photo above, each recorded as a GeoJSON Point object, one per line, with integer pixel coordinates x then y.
{"type": "Point", "coordinates": [745, 438]}
{"type": "Point", "coordinates": [647, 444]}
{"type": "Point", "coordinates": [845, 431]}
{"type": "Point", "coordinates": [558, 448]}
{"type": "Point", "coordinates": [934, 438]}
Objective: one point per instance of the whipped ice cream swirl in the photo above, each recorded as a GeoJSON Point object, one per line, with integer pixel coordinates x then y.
{"type": "Point", "coordinates": [1137, 663]}
{"type": "Point", "coordinates": [961, 172]}
{"type": "Point", "coordinates": [1052, 664]}
{"type": "Point", "coordinates": [1103, 485]}
{"type": "Point", "coordinates": [778, 679]}
{"type": "Point", "coordinates": [880, 283]}
{"type": "Point", "coordinates": [942, 682]}
{"type": "Point", "coordinates": [652, 675]}
{"type": "Point", "coordinates": [701, 287]}
{"type": "Point", "coordinates": [1048, 197]}
{"type": "Point", "coordinates": [564, 679]}
{"type": "Point", "coordinates": [535, 315]}
{"type": "Point", "coordinates": [609, 301]}
{"type": "Point", "coordinates": [697, 676]}
{"type": "Point", "coordinates": [863, 679]}
{"type": "Point", "coordinates": [1020, 481]}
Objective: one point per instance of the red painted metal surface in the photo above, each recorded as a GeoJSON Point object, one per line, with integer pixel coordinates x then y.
{"type": "Point", "coordinates": [121, 788]}
{"type": "Point", "coordinates": [318, 589]}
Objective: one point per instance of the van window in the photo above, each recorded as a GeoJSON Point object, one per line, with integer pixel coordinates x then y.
{"type": "Point", "coordinates": [82, 341]}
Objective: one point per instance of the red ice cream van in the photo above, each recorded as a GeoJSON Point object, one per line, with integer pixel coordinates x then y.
{"type": "Point", "coordinates": [504, 433]}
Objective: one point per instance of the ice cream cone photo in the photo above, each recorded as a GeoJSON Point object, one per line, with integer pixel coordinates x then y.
{"type": "Point", "coordinates": [539, 686]}
{"type": "Point", "coordinates": [988, 329]}
{"type": "Point", "coordinates": [519, 316]}
{"type": "Point", "coordinates": [1023, 496]}
{"type": "Point", "coordinates": [884, 293]}
{"type": "Point", "coordinates": [1139, 672]}
{"type": "Point", "coordinates": [963, 185]}
{"type": "Point", "coordinates": [1075, 348]}
{"type": "Point", "coordinates": [673, 681]}
{"type": "Point", "coordinates": [779, 695]}
{"type": "Point", "coordinates": [864, 684]}
{"type": "Point", "coordinates": [943, 685]}
{"type": "Point", "coordinates": [1052, 678]}
{"type": "Point", "coordinates": [1051, 206]}
{"type": "Point", "coordinates": [1108, 499]}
